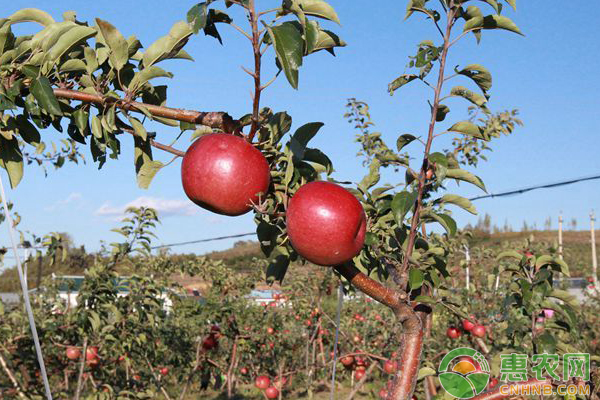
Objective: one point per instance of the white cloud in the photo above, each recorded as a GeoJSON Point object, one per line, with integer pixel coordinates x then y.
{"type": "Point", "coordinates": [165, 207]}
{"type": "Point", "coordinates": [74, 197]}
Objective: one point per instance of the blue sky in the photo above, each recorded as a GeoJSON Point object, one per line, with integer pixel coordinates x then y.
{"type": "Point", "coordinates": [549, 75]}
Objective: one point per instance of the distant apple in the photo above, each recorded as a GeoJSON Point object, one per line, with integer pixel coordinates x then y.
{"type": "Point", "coordinates": [467, 325]}
{"type": "Point", "coordinates": [209, 343]}
{"type": "Point", "coordinates": [271, 392]}
{"type": "Point", "coordinates": [224, 173]}
{"type": "Point", "coordinates": [478, 330]}
{"type": "Point", "coordinates": [164, 371]}
{"type": "Point", "coordinates": [73, 353]}
{"type": "Point", "coordinates": [326, 224]}
{"type": "Point", "coordinates": [390, 366]}
{"type": "Point", "coordinates": [262, 382]}
{"type": "Point", "coordinates": [244, 371]}
{"type": "Point", "coordinates": [383, 394]}
{"type": "Point", "coordinates": [359, 373]}
{"type": "Point", "coordinates": [270, 330]}
{"type": "Point", "coordinates": [347, 361]}
{"type": "Point", "coordinates": [91, 353]}
{"type": "Point", "coordinates": [453, 333]}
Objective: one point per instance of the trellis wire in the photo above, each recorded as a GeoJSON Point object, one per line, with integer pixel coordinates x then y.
{"type": "Point", "coordinates": [337, 335]}
{"type": "Point", "coordinates": [24, 288]}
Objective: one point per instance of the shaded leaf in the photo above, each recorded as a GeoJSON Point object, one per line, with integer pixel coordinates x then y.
{"type": "Point", "coordinates": [42, 91]}
{"type": "Point", "coordinates": [479, 74]}
{"type": "Point", "coordinates": [277, 268]}
{"type": "Point", "coordinates": [400, 81]}
{"type": "Point", "coordinates": [11, 160]}
{"type": "Point", "coordinates": [301, 138]}
{"type": "Point", "coordinates": [467, 128]}
{"type": "Point", "coordinates": [402, 204]}
{"type": "Point", "coordinates": [492, 22]}
{"type": "Point", "coordinates": [404, 140]}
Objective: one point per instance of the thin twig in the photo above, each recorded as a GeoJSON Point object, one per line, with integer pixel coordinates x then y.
{"type": "Point", "coordinates": [11, 377]}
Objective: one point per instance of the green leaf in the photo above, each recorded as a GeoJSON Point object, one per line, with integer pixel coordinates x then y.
{"type": "Point", "coordinates": [319, 8]}
{"type": "Point", "coordinates": [447, 223]}
{"type": "Point", "coordinates": [475, 98]}
{"type": "Point", "coordinates": [27, 130]}
{"type": "Point", "coordinates": [494, 4]}
{"type": "Point", "coordinates": [81, 118]}
{"type": "Point", "coordinates": [553, 261]}
{"type": "Point", "coordinates": [325, 40]}
{"type": "Point", "coordinates": [68, 40]}
{"type": "Point", "coordinates": [289, 48]}
{"type": "Point", "coordinates": [492, 22]}
{"type": "Point", "coordinates": [119, 48]}
{"type": "Point", "coordinates": [277, 268]}
{"type": "Point", "coordinates": [564, 296]}
{"type": "Point", "coordinates": [415, 278]}
{"type": "Point", "coordinates": [372, 177]}
{"type": "Point", "coordinates": [73, 65]}
{"type": "Point", "coordinates": [97, 127]}
{"type": "Point", "coordinates": [143, 76]}
{"type": "Point", "coordinates": [425, 371]}
{"type": "Point", "coordinates": [400, 81]}
{"type": "Point", "coordinates": [460, 201]}
{"type": "Point", "coordinates": [441, 112]}
{"type": "Point", "coordinates": [138, 127]}
{"type": "Point", "coordinates": [404, 140]}
{"type": "Point", "coordinates": [147, 173]}
{"type": "Point", "coordinates": [466, 176]}
{"type": "Point", "coordinates": [479, 74]}
{"type": "Point", "coordinates": [513, 4]}
{"type": "Point", "coordinates": [42, 91]}
{"type": "Point", "coordinates": [509, 253]}
{"type": "Point", "coordinates": [468, 128]}
{"type": "Point", "coordinates": [426, 300]}
{"type": "Point", "coordinates": [11, 160]}
{"type": "Point", "coordinates": [318, 157]}
{"type": "Point", "coordinates": [301, 138]}
{"type": "Point", "coordinates": [31, 15]}
{"type": "Point", "coordinates": [197, 16]}
{"type": "Point", "coordinates": [169, 45]}
{"type": "Point", "coordinates": [402, 204]}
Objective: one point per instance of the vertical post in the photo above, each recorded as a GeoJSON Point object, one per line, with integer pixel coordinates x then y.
{"type": "Point", "coordinates": [594, 259]}
{"type": "Point", "coordinates": [560, 241]}
{"type": "Point", "coordinates": [468, 259]}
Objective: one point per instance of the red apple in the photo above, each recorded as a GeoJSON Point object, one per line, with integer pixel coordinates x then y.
{"type": "Point", "coordinates": [262, 382]}
{"type": "Point", "coordinates": [270, 330]}
{"type": "Point", "coordinates": [358, 374]}
{"type": "Point", "coordinates": [210, 342]}
{"type": "Point", "coordinates": [244, 371]}
{"type": "Point", "coordinates": [347, 361]}
{"type": "Point", "coordinates": [93, 362]}
{"type": "Point", "coordinates": [478, 330]}
{"type": "Point", "coordinates": [271, 392]}
{"type": "Point", "coordinates": [164, 371]}
{"type": "Point", "coordinates": [453, 333]}
{"type": "Point", "coordinates": [383, 394]}
{"type": "Point", "coordinates": [224, 173]}
{"type": "Point", "coordinates": [73, 353]}
{"type": "Point", "coordinates": [326, 224]}
{"type": "Point", "coordinates": [390, 367]}
{"type": "Point", "coordinates": [91, 353]}
{"type": "Point", "coordinates": [467, 325]}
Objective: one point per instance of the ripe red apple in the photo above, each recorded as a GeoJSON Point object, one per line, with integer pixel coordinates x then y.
{"type": "Point", "coordinates": [244, 371]}
{"type": "Point", "coordinates": [390, 367]}
{"type": "Point", "coordinates": [224, 173]}
{"type": "Point", "coordinates": [164, 371]}
{"type": "Point", "coordinates": [262, 382]}
{"type": "Point", "coordinates": [383, 394]}
{"type": "Point", "coordinates": [453, 333]}
{"type": "Point", "coordinates": [347, 361]}
{"type": "Point", "coordinates": [271, 392]}
{"type": "Point", "coordinates": [270, 330]}
{"type": "Point", "coordinates": [326, 224]}
{"type": "Point", "coordinates": [358, 374]}
{"type": "Point", "coordinates": [478, 330]}
{"type": "Point", "coordinates": [136, 377]}
{"type": "Point", "coordinates": [210, 342]}
{"type": "Point", "coordinates": [467, 325]}
{"type": "Point", "coordinates": [73, 353]}
{"type": "Point", "coordinates": [91, 353]}
{"type": "Point", "coordinates": [93, 363]}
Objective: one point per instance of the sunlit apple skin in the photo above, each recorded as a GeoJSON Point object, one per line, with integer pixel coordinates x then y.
{"type": "Point", "coordinates": [224, 173]}
{"type": "Point", "coordinates": [326, 224]}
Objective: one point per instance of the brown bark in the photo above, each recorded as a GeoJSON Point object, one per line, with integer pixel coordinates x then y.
{"type": "Point", "coordinates": [220, 120]}
{"type": "Point", "coordinates": [411, 337]}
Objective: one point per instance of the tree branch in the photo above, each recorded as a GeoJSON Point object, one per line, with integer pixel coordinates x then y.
{"type": "Point", "coordinates": [421, 187]}
{"type": "Point", "coordinates": [253, 17]}
{"type": "Point", "coordinates": [220, 120]}
{"type": "Point", "coordinates": [411, 337]}
{"type": "Point", "coordinates": [11, 377]}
